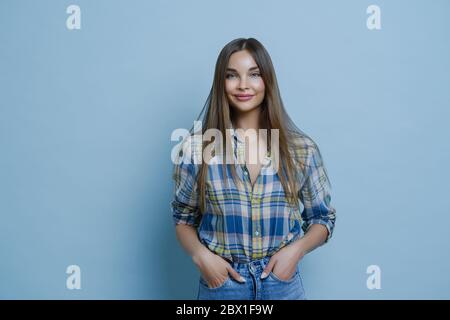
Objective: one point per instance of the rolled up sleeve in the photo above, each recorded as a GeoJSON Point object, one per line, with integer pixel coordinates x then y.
{"type": "Point", "coordinates": [315, 196]}
{"type": "Point", "coordinates": [184, 205]}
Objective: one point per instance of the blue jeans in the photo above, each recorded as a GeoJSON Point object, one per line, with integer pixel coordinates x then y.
{"type": "Point", "coordinates": [255, 288]}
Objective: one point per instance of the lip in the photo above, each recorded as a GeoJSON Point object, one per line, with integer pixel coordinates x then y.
{"type": "Point", "coordinates": [244, 97]}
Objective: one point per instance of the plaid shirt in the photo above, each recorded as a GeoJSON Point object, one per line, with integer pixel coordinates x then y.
{"type": "Point", "coordinates": [244, 224]}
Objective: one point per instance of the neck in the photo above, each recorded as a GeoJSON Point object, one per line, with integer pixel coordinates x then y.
{"type": "Point", "coordinates": [248, 120]}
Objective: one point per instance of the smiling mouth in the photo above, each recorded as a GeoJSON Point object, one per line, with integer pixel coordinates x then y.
{"type": "Point", "coordinates": [243, 97]}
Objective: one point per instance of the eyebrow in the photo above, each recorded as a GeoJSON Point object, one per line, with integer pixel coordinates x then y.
{"type": "Point", "coordinates": [252, 68]}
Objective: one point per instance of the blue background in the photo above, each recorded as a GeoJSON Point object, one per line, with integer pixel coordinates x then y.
{"type": "Point", "coordinates": [86, 117]}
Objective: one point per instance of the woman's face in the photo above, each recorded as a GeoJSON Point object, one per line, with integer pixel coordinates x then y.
{"type": "Point", "coordinates": [244, 86]}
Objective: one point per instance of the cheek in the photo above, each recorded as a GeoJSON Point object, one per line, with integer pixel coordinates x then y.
{"type": "Point", "coordinates": [259, 86]}
{"type": "Point", "coordinates": [229, 87]}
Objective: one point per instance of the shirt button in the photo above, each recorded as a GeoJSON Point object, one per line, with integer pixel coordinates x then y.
{"type": "Point", "coordinates": [245, 172]}
{"type": "Point", "coordinates": [256, 233]}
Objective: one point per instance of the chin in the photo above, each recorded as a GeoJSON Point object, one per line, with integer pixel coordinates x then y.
{"type": "Point", "coordinates": [243, 108]}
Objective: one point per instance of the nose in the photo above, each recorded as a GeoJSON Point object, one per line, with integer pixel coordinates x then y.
{"type": "Point", "coordinates": [243, 83]}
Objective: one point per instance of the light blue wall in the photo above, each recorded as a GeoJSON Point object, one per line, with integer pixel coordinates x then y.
{"type": "Point", "coordinates": [86, 117]}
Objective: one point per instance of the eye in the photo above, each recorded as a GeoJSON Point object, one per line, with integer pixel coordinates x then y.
{"type": "Point", "coordinates": [256, 74]}
{"type": "Point", "coordinates": [228, 76]}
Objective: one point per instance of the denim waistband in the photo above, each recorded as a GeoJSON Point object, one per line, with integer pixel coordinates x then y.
{"type": "Point", "coordinates": [258, 264]}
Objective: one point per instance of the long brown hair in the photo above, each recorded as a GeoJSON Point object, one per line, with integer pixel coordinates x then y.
{"type": "Point", "coordinates": [217, 114]}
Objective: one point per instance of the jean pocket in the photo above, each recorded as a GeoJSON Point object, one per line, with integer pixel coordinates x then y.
{"type": "Point", "coordinates": [291, 279]}
{"type": "Point", "coordinates": [205, 284]}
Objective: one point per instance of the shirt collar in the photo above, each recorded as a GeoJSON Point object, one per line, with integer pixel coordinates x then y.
{"type": "Point", "coordinates": [240, 144]}
{"type": "Point", "coordinates": [235, 135]}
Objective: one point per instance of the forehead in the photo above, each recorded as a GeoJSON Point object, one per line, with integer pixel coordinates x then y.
{"type": "Point", "coordinates": [241, 60]}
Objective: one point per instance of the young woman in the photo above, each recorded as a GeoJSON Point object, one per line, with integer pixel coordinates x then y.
{"type": "Point", "coordinates": [247, 224]}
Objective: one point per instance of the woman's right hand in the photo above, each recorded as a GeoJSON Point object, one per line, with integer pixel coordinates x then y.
{"type": "Point", "coordinates": [215, 269]}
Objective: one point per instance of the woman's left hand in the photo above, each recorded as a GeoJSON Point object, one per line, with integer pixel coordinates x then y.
{"type": "Point", "coordinates": [284, 263]}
